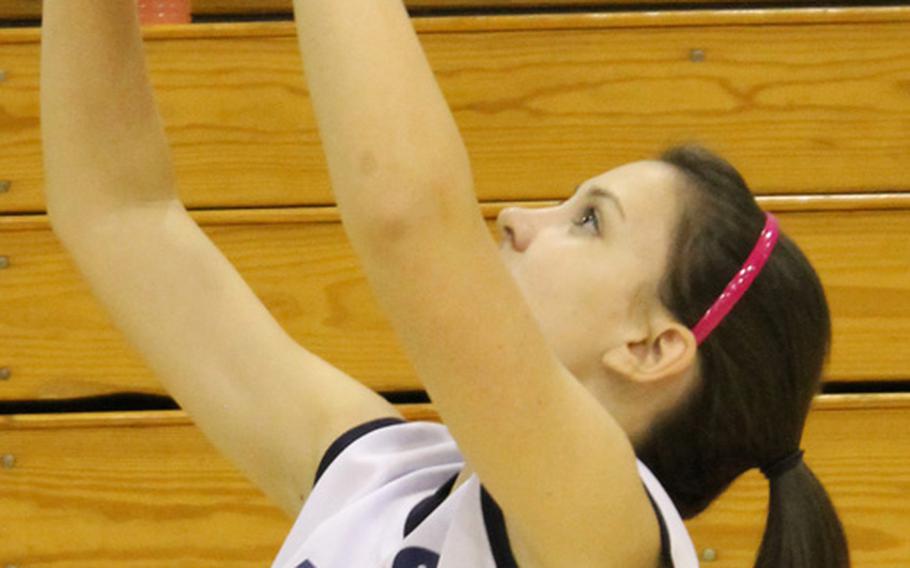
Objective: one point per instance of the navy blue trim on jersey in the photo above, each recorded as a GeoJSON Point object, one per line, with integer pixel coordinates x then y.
{"type": "Point", "coordinates": [349, 438]}
{"type": "Point", "coordinates": [423, 509]}
{"type": "Point", "coordinates": [666, 561]}
{"type": "Point", "coordinates": [496, 531]}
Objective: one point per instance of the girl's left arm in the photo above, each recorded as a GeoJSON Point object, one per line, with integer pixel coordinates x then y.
{"type": "Point", "coordinates": [558, 464]}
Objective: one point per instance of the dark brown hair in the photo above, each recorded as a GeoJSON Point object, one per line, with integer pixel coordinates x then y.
{"type": "Point", "coordinates": [759, 369]}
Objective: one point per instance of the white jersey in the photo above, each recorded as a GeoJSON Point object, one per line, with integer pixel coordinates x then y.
{"type": "Point", "coordinates": [383, 499]}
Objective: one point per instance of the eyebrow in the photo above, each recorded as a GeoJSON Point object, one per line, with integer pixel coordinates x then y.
{"type": "Point", "coordinates": [600, 193]}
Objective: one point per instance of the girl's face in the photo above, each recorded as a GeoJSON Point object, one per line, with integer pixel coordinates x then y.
{"type": "Point", "coordinates": [589, 268]}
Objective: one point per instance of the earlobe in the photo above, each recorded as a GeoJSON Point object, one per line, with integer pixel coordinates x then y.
{"type": "Point", "coordinates": [670, 354]}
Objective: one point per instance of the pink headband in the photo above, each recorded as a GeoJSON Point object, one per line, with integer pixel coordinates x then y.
{"type": "Point", "coordinates": [741, 282]}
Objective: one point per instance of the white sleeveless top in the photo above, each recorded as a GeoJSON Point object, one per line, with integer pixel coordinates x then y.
{"type": "Point", "coordinates": [383, 499]}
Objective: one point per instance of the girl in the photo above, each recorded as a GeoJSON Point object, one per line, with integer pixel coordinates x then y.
{"type": "Point", "coordinates": [605, 371]}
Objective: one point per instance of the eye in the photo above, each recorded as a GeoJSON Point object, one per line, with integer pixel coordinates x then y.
{"type": "Point", "coordinates": [590, 216]}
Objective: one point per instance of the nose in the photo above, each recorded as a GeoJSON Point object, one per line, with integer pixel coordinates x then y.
{"type": "Point", "coordinates": [514, 227]}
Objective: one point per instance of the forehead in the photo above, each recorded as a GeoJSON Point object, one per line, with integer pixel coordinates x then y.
{"type": "Point", "coordinates": [647, 183]}
{"type": "Point", "coordinates": [649, 193]}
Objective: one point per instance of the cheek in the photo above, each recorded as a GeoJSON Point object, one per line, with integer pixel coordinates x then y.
{"type": "Point", "coordinates": [572, 302]}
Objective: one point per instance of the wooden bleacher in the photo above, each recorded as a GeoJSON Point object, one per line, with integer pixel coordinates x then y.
{"type": "Point", "coordinates": [31, 9]}
{"type": "Point", "coordinates": [821, 135]}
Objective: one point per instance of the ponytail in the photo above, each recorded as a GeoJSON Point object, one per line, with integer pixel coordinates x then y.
{"type": "Point", "coordinates": [758, 371]}
{"type": "Point", "coordinates": [803, 529]}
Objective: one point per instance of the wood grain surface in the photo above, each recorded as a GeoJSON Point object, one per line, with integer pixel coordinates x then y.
{"type": "Point", "coordinates": [811, 105]}
{"type": "Point", "coordinates": [146, 489]}
{"type": "Point", "coordinates": [31, 9]}
{"type": "Point", "coordinates": [585, 93]}
{"type": "Point", "coordinates": [58, 343]}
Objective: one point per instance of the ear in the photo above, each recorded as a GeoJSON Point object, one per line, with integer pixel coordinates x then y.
{"type": "Point", "coordinates": [668, 353]}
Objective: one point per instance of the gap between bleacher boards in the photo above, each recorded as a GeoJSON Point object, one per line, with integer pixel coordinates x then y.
{"type": "Point", "coordinates": [138, 401]}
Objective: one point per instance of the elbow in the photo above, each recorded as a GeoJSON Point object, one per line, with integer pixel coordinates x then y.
{"type": "Point", "coordinates": [69, 220]}
{"type": "Point", "coordinates": [62, 219]}
{"type": "Point", "coordinates": [399, 215]}
{"type": "Point", "coordinates": [381, 230]}
{"type": "Point", "coordinates": [394, 197]}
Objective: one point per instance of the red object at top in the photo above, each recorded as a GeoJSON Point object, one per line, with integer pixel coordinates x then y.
{"type": "Point", "coordinates": [153, 12]}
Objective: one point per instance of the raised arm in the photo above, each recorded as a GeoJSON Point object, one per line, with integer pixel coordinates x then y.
{"type": "Point", "coordinates": [559, 465]}
{"type": "Point", "coordinates": [386, 128]}
{"type": "Point", "coordinates": [268, 404]}
{"type": "Point", "coordinates": [100, 126]}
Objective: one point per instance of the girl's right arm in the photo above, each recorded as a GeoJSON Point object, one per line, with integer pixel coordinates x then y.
{"type": "Point", "coordinates": [268, 404]}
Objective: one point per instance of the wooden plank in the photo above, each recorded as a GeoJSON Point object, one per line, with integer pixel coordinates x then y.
{"type": "Point", "coordinates": [490, 209]}
{"type": "Point", "coordinates": [670, 17]}
{"type": "Point", "coordinates": [419, 411]}
{"type": "Point", "coordinates": [138, 494]}
{"type": "Point", "coordinates": [863, 260]}
{"type": "Point", "coordinates": [58, 343]}
{"type": "Point", "coordinates": [588, 91]}
{"type": "Point", "coordinates": [146, 489]}
{"type": "Point", "coordinates": [31, 9]}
